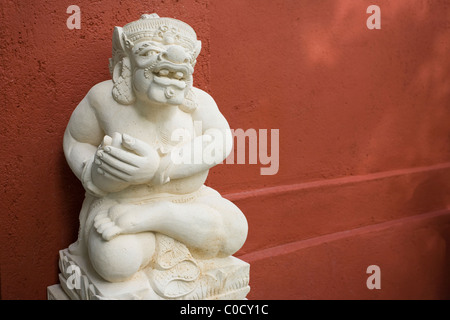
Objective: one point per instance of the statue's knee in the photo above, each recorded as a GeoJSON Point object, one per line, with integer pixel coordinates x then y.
{"type": "Point", "coordinates": [115, 260]}
{"type": "Point", "coordinates": [236, 232]}
{"type": "Point", "coordinates": [234, 242]}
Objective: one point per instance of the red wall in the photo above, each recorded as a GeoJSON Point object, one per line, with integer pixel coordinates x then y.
{"type": "Point", "coordinates": [363, 117]}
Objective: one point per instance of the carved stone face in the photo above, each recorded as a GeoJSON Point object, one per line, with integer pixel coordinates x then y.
{"type": "Point", "coordinates": [161, 71]}
{"type": "Point", "coordinates": [153, 60]}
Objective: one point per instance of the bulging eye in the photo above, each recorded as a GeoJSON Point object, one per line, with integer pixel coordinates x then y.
{"type": "Point", "coordinates": [150, 53]}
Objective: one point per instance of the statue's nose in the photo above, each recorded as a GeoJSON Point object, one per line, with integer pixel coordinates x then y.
{"type": "Point", "coordinates": [176, 54]}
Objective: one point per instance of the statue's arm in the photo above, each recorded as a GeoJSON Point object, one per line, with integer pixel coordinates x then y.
{"type": "Point", "coordinates": [84, 139]}
{"type": "Point", "coordinates": [82, 136]}
{"type": "Point", "coordinates": [215, 135]}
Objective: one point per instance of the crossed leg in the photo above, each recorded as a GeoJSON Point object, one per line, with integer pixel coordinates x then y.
{"type": "Point", "coordinates": [120, 258]}
{"type": "Point", "coordinates": [123, 240]}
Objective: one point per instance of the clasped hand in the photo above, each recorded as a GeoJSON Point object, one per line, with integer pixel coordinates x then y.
{"type": "Point", "coordinates": [125, 161]}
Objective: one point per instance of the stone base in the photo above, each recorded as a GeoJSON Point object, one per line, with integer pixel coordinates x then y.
{"type": "Point", "coordinates": [55, 292]}
{"type": "Point", "coordinates": [218, 278]}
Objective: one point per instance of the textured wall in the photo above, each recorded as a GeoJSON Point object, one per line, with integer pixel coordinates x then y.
{"type": "Point", "coordinates": [364, 137]}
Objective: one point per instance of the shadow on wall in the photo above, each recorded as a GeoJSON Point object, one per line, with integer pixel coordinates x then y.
{"type": "Point", "coordinates": [347, 100]}
{"type": "Point", "coordinates": [408, 85]}
{"type": "Point", "coordinates": [429, 195]}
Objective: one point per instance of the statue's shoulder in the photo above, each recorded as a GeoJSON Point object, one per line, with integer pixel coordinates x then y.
{"type": "Point", "coordinates": [203, 99]}
{"type": "Point", "coordinates": [100, 95]}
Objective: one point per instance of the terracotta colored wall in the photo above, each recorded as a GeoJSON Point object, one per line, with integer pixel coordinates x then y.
{"type": "Point", "coordinates": [363, 117]}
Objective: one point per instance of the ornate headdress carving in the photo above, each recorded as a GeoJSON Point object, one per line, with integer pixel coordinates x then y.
{"type": "Point", "coordinates": [152, 27]}
{"type": "Point", "coordinates": [148, 27]}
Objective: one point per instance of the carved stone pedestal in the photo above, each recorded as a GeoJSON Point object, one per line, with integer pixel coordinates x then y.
{"type": "Point", "coordinates": [55, 292]}
{"type": "Point", "coordinates": [218, 278]}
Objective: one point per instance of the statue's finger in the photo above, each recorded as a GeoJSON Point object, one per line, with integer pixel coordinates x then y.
{"type": "Point", "coordinates": [119, 165]}
{"type": "Point", "coordinates": [107, 141]}
{"type": "Point", "coordinates": [116, 139]}
{"type": "Point", "coordinates": [140, 147]}
{"type": "Point", "coordinates": [119, 175]}
{"type": "Point", "coordinates": [124, 156]}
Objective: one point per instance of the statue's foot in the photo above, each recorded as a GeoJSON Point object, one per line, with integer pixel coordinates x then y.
{"type": "Point", "coordinates": [119, 219]}
{"type": "Point", "coordinates": [125, 251]}
{"type": "Point", "coordinates": [208, 225]}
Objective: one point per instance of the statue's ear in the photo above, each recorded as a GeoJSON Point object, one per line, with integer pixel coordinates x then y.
{"type": "Point", "coordinates": [120, 68]}
{"type": "Point", "coordinates": [122, 89]}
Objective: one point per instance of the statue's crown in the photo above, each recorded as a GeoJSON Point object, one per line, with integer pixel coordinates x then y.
{"type": "Point", "coordinates": [152, 27]}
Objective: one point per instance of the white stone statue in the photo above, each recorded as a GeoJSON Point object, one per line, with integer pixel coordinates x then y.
{"type": "Point", "coordinates": [142, 144]}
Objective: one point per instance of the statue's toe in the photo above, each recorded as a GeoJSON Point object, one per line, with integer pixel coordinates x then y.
{"type": "Point", "coordinates": [111, 233]}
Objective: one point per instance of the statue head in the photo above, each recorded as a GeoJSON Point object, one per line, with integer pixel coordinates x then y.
{"type": "Point", "coordinates": [153, 60]}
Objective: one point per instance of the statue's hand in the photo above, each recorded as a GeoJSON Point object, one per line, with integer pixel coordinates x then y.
{"type": "Point", "coordinates": [132, 162]}
{"type": "Point", "coordinates": [104, 176]}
